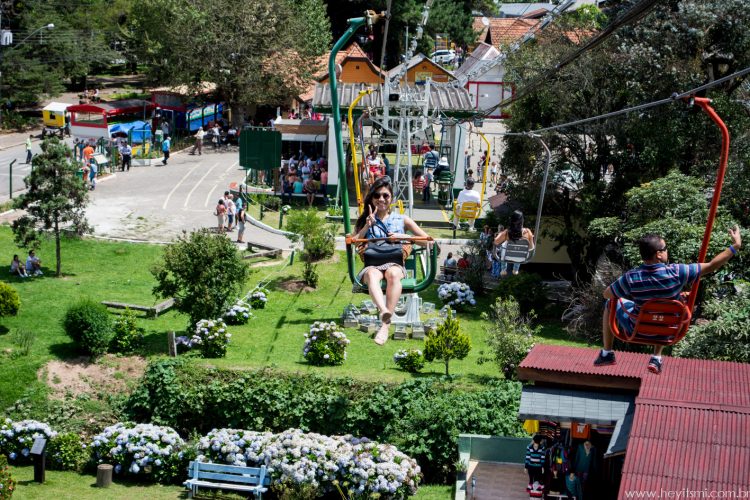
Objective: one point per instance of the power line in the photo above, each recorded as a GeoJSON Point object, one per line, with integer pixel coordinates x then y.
{"type": "Point", "coordinates": [632, 15]}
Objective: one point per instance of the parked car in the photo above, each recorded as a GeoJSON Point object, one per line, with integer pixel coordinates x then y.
{"type": "Point", "coordinates": [445, 56]}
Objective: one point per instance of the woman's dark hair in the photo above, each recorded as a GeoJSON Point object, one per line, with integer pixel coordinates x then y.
{"type": "Point", "coordinates": [381, 182]}
{"type": "Point", "coordinates": [515, 229]}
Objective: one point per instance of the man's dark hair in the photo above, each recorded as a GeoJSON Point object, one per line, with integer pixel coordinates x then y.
{"type": "Point", "coordinates": [648, 245]}
{"type": "Point", "coordinates": [538, 438]}
{"type": "Point", "coordinates": [469, 183]}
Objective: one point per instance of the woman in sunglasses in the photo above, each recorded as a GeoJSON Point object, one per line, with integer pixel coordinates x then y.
{"type": "Point", "coordinates": [376, 221]}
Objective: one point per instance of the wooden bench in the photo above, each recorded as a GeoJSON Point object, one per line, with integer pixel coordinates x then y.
{"type": "Point", "coordinates": [443, 276]}
{"type": "Point", "coordinates": [151, 312]}
{"type": "Point", "coordinates": [227, 477]}
{"type": "Point", "coordinates": [258, 250]}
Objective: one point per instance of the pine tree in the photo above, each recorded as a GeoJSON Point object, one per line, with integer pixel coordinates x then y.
{"type": "Point", "coordinates": [55, 199]}
{"type": "Point", "coordinates": [447, 342]}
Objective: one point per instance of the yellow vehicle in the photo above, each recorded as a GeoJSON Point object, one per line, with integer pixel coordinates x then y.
{"type": "Point", "coordinates": [55, 118]}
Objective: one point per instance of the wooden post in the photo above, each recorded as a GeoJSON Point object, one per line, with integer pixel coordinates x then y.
{"type": "Point", "coordinates": [103, 475]}
{"type": "Point", "coordinates": [172, 344]}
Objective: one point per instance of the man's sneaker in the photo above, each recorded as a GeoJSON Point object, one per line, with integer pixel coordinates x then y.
{"type": "Point", "coordinates": [602, 360]}
{"type": "Point", "coordinates": [654, 365]}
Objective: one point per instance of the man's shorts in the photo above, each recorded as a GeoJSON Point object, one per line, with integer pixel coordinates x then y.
{"type": "Point", "coordinates": [624, 321]}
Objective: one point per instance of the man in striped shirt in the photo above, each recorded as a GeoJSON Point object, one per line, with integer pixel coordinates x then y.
{"type": "Point", "coordinates": [534, 462]}
{"type": "Point", "coordinates": [654, 279]}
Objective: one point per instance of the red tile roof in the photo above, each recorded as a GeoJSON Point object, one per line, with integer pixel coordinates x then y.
{"type": "Point", "coordinates": [691, 428]}
{"type": "Point", "coordinates": [506, 30]}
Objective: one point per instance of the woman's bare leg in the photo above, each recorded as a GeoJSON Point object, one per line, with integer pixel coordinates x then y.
{"type": "Point", "coordinates": [372, 279]}
{"type": "Point", "coordinates": [393, 277]}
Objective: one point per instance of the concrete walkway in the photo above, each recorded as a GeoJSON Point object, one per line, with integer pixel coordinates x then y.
{"type": "Point", "coordinates": [496, 481]}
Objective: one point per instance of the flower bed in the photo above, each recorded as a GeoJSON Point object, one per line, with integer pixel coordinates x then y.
{"type": "Point", "coordinates": [457, 295]}
{"type": "Point", "coordinates": [17, 438]}
{"type": "Point", "coordinates": [325, 345]}
{"type": "Point", "coordinates": [411, 360]}
{"type": "Point", "coordinates": [296, 460]}
{"type": "Point", "coordinates": [239, 314]}
{"type": "Point", "coordinates": [142, 450]}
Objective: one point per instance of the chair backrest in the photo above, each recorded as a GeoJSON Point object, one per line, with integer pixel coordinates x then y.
{"type": "Point", "coordinates": [467, 210]}
{"type": "Point", "coordinates": [229, 473]}
{"type": "Point", "coordinates": [661, 322]}
{"type": "Point", "coordinates": [517, 251]}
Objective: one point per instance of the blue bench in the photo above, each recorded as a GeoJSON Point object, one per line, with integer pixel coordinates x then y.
{"type": "Point", "coordinates": [227, 477]}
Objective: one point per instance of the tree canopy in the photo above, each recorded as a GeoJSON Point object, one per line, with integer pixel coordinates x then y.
{"type": "Point", "coordinates": [255, 51]}
{"type": "Point", "coordinates": [680, 45]}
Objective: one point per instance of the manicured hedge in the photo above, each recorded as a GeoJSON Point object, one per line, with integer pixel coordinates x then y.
{"type": "Point", "coordinates": [422, 418]}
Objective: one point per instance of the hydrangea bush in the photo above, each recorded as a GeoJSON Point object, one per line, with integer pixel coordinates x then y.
{"type": "Point", "coordinates": [325, 344]}
{"type": "Point", "coordinates": [457, 295]}
{"type": "Point", "coordinates": [143, 450]}
{"type": "Point", "coordinates": [258, 298]}
{"type": "Point", "coordinates": [297, 461]}
{"type": "Point", "coordinates": [211, 337]}
{"type": "Point", "coordinates": [411, 360]}
{"type": "Point", "coordinates": [239, 314]}
{"type": "Point", "coordinates": [17, 438]}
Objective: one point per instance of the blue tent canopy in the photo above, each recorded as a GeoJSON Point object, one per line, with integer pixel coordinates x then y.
{"type": "Point", "coordinates": [139, 130]}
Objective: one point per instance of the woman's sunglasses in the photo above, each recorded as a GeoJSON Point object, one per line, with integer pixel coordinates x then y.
{"type": "Point", "coordinates": [385, 196]}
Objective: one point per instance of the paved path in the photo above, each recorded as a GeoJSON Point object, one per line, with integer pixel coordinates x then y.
{"type": "Point", "coordinates": [497, 481]}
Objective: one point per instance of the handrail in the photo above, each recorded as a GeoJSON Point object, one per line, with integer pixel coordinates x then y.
{"type": "Point", "coordinates": [705, 105]}
{"type": "Point", "coordinates": [351, 239]}
{"type": "Point", "coordinates": [486, 167]}
{"type": "Point", "coordinates": [357, 187]}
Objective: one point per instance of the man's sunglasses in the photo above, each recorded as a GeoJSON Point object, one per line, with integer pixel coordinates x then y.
{"type": "Point", "coordinates": [663, 249]}
{"type": "Point", "coordinates": [385, 196]}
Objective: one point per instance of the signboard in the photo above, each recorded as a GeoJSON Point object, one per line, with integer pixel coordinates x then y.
{"type": "Point", "coordinates": [422, 76]}
{"type": "Point", "coordinates": [38, 447]}
{"type": "Point", "coordinates": [260, 148]}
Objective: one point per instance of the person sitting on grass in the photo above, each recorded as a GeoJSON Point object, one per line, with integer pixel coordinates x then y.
{"type": "Point", "coordinates": [376, 221]}
{"type": "Point", "coordinates": [16, 267]}
{"type": "Point", "coordinates": [654, 279]}
{"type": "Point", "coordinates": [33, 264]}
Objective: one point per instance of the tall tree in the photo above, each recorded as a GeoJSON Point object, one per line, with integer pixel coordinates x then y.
{"type": "Point", "coordinates": [680, 45]}
{"type": "Point", "coordinates": [55, 200]}
{"type": "Point", "coordinates": [255, 51]}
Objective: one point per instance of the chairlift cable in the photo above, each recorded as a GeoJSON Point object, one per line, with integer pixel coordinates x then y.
{"type": "Point", "coordinates": [660, 102]}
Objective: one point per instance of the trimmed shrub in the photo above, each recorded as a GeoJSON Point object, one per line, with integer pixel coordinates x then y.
{"type": "Point", "coordinates": [68, 452]}
{"type": "Point", "coordinates": [211, 337]}
{"type": "Point", "coordinates": [447, 342]}
{"type": "Point", "coordinates": [238, 314]}
{"type": "Point", "coordinates": [127, 335]}
{"type": "Point", "coordinates": [422, 417]}
{"type": "Point", "coordinates": [143, 450]}
{"type": "Point", "coordinates": [7, 483]}
{"type": "Point", "coordinates": [16, 438]}
{"type": "Point", "coordinates": [325, 345]}
{"type": "Point", "coordinates": [89, 325]}
{"type": "Point", "coordinates": [411, 360]}
{"type": "Point", "coordinates": [456, 295]}
{"type": "Point", "coordinates": [528, 289]}
{"type": "Point", "coordinates": [258, 298]}
{"type": "Point", "coordinates": [9, 301]}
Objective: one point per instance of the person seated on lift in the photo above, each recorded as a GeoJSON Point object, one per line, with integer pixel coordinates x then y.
{"type": "Point", "coordinates": [376, 221]}
{"type": "Point", "coordinates": [515, 231]}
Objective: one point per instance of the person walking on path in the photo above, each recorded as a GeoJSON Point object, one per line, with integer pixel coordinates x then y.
{"type": "Point", "coordinates": [199, 135]}
{"type": "Point", "coordinates": [28, 149]}
{"type": "Point", "coordinates": [166, 143]}
{"type": "Point", "coordinates": [127, 154]}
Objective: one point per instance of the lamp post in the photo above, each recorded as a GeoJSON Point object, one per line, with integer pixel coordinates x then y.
{"type": "Point", "coordinates": [3, 43]}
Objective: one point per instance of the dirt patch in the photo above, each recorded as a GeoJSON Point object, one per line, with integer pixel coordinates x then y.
{"type": "Point", "coordinates": [295, 286]}
{"type": "Point", "coordinates": [77, 376]}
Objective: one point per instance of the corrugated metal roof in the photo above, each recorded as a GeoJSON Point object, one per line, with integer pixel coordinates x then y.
{"type": "Point", "coordinates": [542, 403]}
{"type": "Point", "coordinates": [448, 99]}
{"type": "Point", "coordinates": [578, 360]}
{"type": "Point", "coordinates": [691, 427]}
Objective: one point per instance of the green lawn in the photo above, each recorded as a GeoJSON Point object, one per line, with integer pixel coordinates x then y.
{"type": "Point", "coordinates": [73, 486]}
{"type": "Point", "coordinates": [120, 271]}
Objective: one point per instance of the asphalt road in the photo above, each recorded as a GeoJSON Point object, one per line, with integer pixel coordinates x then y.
{"type": "Point", "coordinates": [20, 169]}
